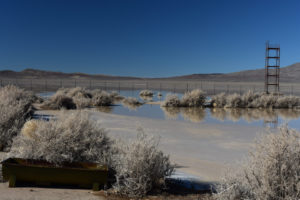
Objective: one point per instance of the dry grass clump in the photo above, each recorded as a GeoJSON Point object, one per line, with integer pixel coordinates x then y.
{"type": "Point", "coordinates": [15, 108]}
{"type": "Point", "coordinates": [72, 98]}
{"type": "Point", "coordinates": [194, 98]}
{"type": "Point", "coordinates": [270, 172]}
{"type": "Point", "coordinates": [171, 100]}
{"type": "Point", "coordinates": [58, 101]}
{"type": "Point", "coordinates": [254, 100]}
{"type": "Point", "coordinates": [72, 137]}
{"type": "Point", "coordinates": [102, 98]}
{"type": "Point", "coordinates": [131, 103]}
{"type": "Point", "coordinates": [140, 166]}
{"type": "Point", "coordinates": [146, 93]}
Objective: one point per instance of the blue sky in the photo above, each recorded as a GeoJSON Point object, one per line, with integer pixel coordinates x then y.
{"type": "Point", "coordinates": [147, 38]}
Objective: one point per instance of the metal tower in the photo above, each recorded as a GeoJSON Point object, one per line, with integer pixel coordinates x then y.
{"type": "Point", "coordinates": [272, 68]}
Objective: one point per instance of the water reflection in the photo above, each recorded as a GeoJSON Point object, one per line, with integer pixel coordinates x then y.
{"type": "Point", "coordinates": [266, 117]}
{"type": "Point", "coordinates": [146, 98]}
{"type": "Point", "coordinates": [251, 115]}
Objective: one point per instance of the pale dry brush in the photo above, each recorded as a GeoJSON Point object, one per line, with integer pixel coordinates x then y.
{"type": "Point", "coordinates": [16, 108]}
{"type": "Point", "coordinates": [131, 103]}
{"type": "Point", "coordinates": [140, 166]}
{"type": "Point", "coordinates": [271, 171]}
{"type": "Point", "coordinates": [194, 98]}
{"type": "Point", "coordinates": [147, 93]}
{"type": "Point", "coordinates": [171, 100]}
{"type": "Point", "coordinates": [71, 137]}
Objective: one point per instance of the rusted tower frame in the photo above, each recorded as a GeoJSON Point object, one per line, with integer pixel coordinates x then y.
{"type": "Point", "coordinates": [272, 70]}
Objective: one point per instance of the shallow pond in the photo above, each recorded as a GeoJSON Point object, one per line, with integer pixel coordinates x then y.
{"type": "Point", "coordinates": [256, 117]}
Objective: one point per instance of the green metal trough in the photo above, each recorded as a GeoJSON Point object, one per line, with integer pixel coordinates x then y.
{"type": "Point", "coordinates": [85, 175]}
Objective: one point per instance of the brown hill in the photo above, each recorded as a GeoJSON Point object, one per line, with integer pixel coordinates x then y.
{"type": "Point", "coordinates": [290, 73]}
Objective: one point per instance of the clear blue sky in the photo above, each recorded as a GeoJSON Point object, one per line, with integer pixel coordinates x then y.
{"type": "Point", "coordinates": [148, 38]}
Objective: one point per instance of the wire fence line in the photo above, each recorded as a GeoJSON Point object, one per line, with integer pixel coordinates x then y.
{"type": "Point", "coordinates": [210, 87]}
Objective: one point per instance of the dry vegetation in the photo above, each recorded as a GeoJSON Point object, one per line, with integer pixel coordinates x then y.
{"type": "Point", "coordinates": [71, 137]}
{"type": "Point", "coordinates": [146, 93]}
{"type": "Point", "coordinates": [72, 98]}
{"type": "Point", "coordinates": [131, 103]}
{"type": "Point", "coordinates": [15, 107]}
{"type": "Point", "coordinates": [254, 100]}
{"type": "Point", "coordinates": [194, 98]}
{"type": "Point", "coordinates": [138, 166]}
{"type": "Point", "coordinates": [270, 172]}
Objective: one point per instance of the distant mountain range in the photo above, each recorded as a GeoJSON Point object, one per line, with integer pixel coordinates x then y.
{"type": "Point", "coordinates": [290, 73]}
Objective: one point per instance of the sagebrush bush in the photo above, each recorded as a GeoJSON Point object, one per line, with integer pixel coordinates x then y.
{"type": "Point", "coordinates": [102, 99]}
{"type": "Point", "coordinates": [71, 137]}
{"type": "Point", "coordinates": [218, 100]}
{"type": "Point", "coordinates": [194, 98]}
{"type": "Point", "coordinates": [59, 101]}
{"type": "Point", "coordinates": [140, 166]}
{"type": "Point", "coordinates": [171, 100]}
{"type": "Point", "coordinates": [270, 172]}
{"type": "Point", "coordinates": [15, 109]}
{"type": "Point", "coordinates": [254, 100]}
{"type": "Point", "coordinates": [131, 103]}
{"type": "Point", "coordinates": [147, 93]}
{"type": "Point", "coordinates": [72, 98]}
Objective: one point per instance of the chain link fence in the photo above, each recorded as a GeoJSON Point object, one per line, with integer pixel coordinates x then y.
{"type": "Point", "coordinates": [210, 87]}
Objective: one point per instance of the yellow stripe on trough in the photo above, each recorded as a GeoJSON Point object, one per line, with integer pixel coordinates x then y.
{"type": "Point", "coordinates": [86, 175]}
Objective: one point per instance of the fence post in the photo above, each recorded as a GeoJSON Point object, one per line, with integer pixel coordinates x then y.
{"type": "Point", "coordinates": [292, 89]}
{"type": "Point", "coordinates": [30, 84]}
{"type": "Point", "coordinates": [75, 83]}
{"type": "Point", "coordinates": [240, 90]}
{"type": "Point", "coordinates": [214, 89]}
{"type": "Point", "coordinates": [201, 85]}
{"type": "Point", "coordinates": [159, 87]}
{"type": "Point", "coordinates": [147, 85]}
{"type": "Point", "coordinates": [227, 89]}
{"type": "Point", "coordinates": [174, 88]}
{"type": "Point", "coordinates": [1, 82]}
{"type": "Point", "coordinates": [90, 83]}
{"type": "Point", "coordinates": [119, 87]}
{"type": "Point", "coordinates": [187, 87]}
{"type": "Point", "coordinates": [46, 85]}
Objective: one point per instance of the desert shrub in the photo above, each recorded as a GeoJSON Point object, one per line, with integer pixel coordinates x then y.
{"type": "Point", "coordinates": [71, 137]}
{"type": "Point", "coordinates": [248, 97]}
{"type": "Point", "coordinates": [15, 108]}
{"type": "Point", "coordinates": [147, 93]}
{"type": "Point", "coordinates": [159, 94]}
{"type": "Point", "coordinates": [171, 100]}
{"type": "Point", "coordinates": [102, 98]}
{"type": "Point", "coordinates": [59, 101]}
{"type": "Point", "coordinates": [218, 100]}
{"type": "Point", "coordinates": [194, 98]}
{"type": "Point", "coordinates": [131, 103]}
{"type": "Point", "coordinates": [234, 101]}
{"type": "Point", "coordinates": [270, 172]}
{"type": "Point", "coordinates": [288, 102]}
{"type": "Point", "coordinates": [140, 166]}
